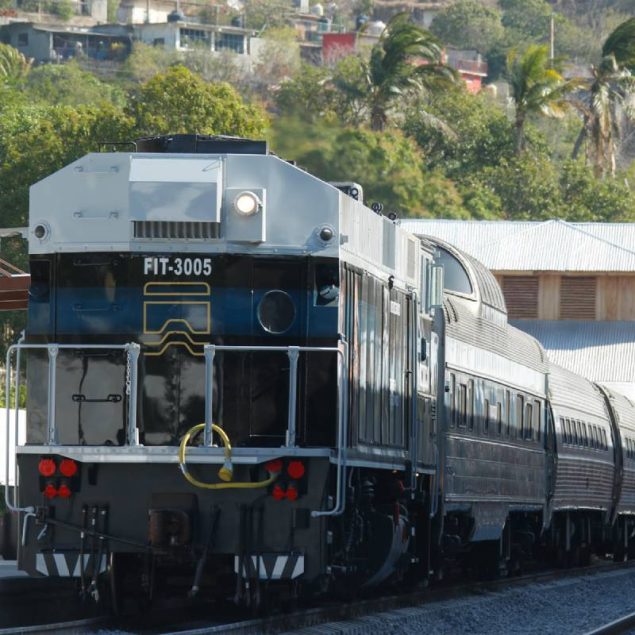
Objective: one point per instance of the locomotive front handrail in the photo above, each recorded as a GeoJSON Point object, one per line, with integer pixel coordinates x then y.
{"type": "Point", "coordinates": [293, 352]}
{"type": "Point", "coordinates": [132, 350]}
{"type": "Point", "coordinates": [131, 387]}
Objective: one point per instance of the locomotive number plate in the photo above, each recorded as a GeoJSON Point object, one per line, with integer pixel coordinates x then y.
{"type": "Point", "coordinates": [176, 266]}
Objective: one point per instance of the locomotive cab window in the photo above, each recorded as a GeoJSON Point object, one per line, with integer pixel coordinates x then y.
{"type": "Point", "coordinates": [537, 419]}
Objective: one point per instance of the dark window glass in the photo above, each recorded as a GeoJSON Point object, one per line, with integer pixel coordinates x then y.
{"type": "Point", "coordinates": [453, 400]}
{"type": "Point", "coordinates": [508, 417]}
{"type": "Point", "coordinates": [537, 419]}
{"type": "Point", "coordinates": [486, 417]}
{"type": "Point", "coordinates": [528, 421]}
{"type": "Point", "coordinates": [230, 41]}
{"type": "Point", "coordinates": [462, 405]}
{"type": "Point", "coordinates": [520, 401]}
{"type": "Point", "coordinates": [455, 277]}
{"type": "Point", "coordinates": [499, 418]}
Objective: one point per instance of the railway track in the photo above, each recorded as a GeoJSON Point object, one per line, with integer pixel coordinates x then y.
{"type": "Point", "coordinates": [624, 624]}
{"type": "Point", "coordinates": [171, 622]}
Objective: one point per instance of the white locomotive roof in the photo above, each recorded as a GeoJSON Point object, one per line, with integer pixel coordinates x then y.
{"type": "Point", "coordinates": [553, 245]}
{"type": "Point", "coordinates": [600, 351]}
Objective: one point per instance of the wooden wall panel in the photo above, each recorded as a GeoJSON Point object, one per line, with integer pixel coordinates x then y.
{"type": "Point", "coordinates": [607, 299]}
{"type": "Point", "coordinates": [549, 296]}
{"type": "Point", "coordinates": [626, 298]}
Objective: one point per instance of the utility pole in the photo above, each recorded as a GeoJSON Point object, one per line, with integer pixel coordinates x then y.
{"type": "Point", "coordinates": [552, 38]}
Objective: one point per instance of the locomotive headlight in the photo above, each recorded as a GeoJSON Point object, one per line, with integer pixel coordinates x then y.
{"type": "Point", "coordinates": [247, 204]}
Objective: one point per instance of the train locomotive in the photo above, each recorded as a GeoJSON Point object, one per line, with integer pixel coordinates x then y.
{"type": "Point", "coordinates": [243, 382]}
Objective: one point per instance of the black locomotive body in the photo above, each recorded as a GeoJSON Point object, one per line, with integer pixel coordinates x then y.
{"type": "Point", "coordinates": [242, 378]}
{"type": "Point", "coordinates": [224, 362]}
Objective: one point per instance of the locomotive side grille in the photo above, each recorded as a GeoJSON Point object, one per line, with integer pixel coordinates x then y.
{"type": "Point", "coordinates": [175, 230]}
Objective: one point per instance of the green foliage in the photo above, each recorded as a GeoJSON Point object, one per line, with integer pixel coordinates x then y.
{"type": "Point", "coordinates": [67, 84]}
{"type": "Point", "coordinates": [390, 71]}
{"type": "Point", "coordinates": [308, 94]}
{"type": "Point", "coordinates": [261, 14]}
{"type": "Point", "coordinates": [111, 10]}
{"type": "Point", "coordinates": [63, 134]}
{"type": "Point", "coordinates": [586, 198]}
{"type": "Point", "coordinates": [63, 9]}
{"type": "Point", "coordinates": [527, 187]}
{"type": "Point", "coordinates": [476, 133]}
{"type": "Point", "coordinates": [21, 396]}
{"type": "Point", "coordinates": [527, 19]}
{"type": "Point", "coordinates": [178, 101]}
{"type": "Point", "coordinates": [536, 87]}
{"type": "Point", "coordinates": [388, 165]}
{"type": "Point", "coordinates": [14, 66]}
{"type": "Point", "coordinates": [610, 97]}
{"type": "Point", "coordinates": [146, 61]}
{"type": "Point", "coordinates": [620, 44]}
{"type": "Point", "coordinates": [469, 24]}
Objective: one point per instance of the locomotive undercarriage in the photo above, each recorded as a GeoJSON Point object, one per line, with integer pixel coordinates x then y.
{"type": "Point", "coordinates": [243, 546]}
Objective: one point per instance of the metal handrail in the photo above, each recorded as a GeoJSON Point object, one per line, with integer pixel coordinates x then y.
{"type": "Point", "coordinates": [293, 352]}
{"type": "Point", "coordinates": [133, 350]}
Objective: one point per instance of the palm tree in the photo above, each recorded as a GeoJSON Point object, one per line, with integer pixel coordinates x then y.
{"type": "Point", "coordinates": [536, 87]}
{"type": "Point", "coordinates": [13, 65]}
{"type": "Point", "coordinates": [406, 57]}
{"type": "Point", "coordinates": [610, 96]}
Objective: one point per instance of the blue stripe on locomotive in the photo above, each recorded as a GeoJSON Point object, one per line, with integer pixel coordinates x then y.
{"type": "Point", "coordinates": [85, 311]}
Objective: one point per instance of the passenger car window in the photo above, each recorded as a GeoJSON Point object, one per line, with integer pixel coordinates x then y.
{"type": "Point", "coordinates": [537, 419]}
{"type": "Point", "coordinates": [528, 421]}
{"type": "Point", "coordinates": [519, 416]}
{"type": "Point", "coordinates": [486, 416]}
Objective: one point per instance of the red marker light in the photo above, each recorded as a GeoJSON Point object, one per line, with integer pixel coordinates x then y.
{"type": "Point", "coordinates": [64, 491]}
{"type": "Point", "coordinates": [295, 469]}
{"type": "Point", "coordinates": [292, 493]}
{"type": "Point", "coordinates": [68, 468]}
{"type": "Point", "coordinates": [278, 493]}
{"type": "Point", "coordinates": [50, 491]}
{"type": "Point", "coordinates": [46, 467]}
{"type": "Point", "coordinates": [274, 467]}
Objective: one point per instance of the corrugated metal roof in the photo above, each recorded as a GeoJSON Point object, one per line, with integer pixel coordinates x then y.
{"type": "Point", "coordinates": [553, 245]}
{"type": "Point", "coordinates": [600, 351]}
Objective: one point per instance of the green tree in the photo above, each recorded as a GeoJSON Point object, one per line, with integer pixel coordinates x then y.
{"type": "Point", "coordinates": [307, 94]}
{"type": "Point", "coordinates": [610, 95]}
{"type": "Point", "coordinates": [587, 198]}
{"type": "Point", "coordinates": [475, 133]}
{"type": "Point", "coordinates": [67, 84]}
{"type": "Point", "coordinates": [469, 24]}
{"type": "Point", "coordinates": [178, 101]}
{"type": "Point", "coordinates": [14, 66]}
{"type": "Point", "coordinates": [277, 60]}
{"type": "Point", "coordinates": [406, 58]}
{"type": "Point", "coordinates": [389, 166]}
{"type": "Point", "coordinates": [36, 141]}
{"type": "Point", "coordinates": [527, 19]}
{"type": "Point", "coordinates": [146, 61]}
{"type": "Point", "coordinates": [261, 14]}
{"type": "Point", "coordinates": [536, 88]}
{"type": "Point", "coordinates": [527, 186]}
